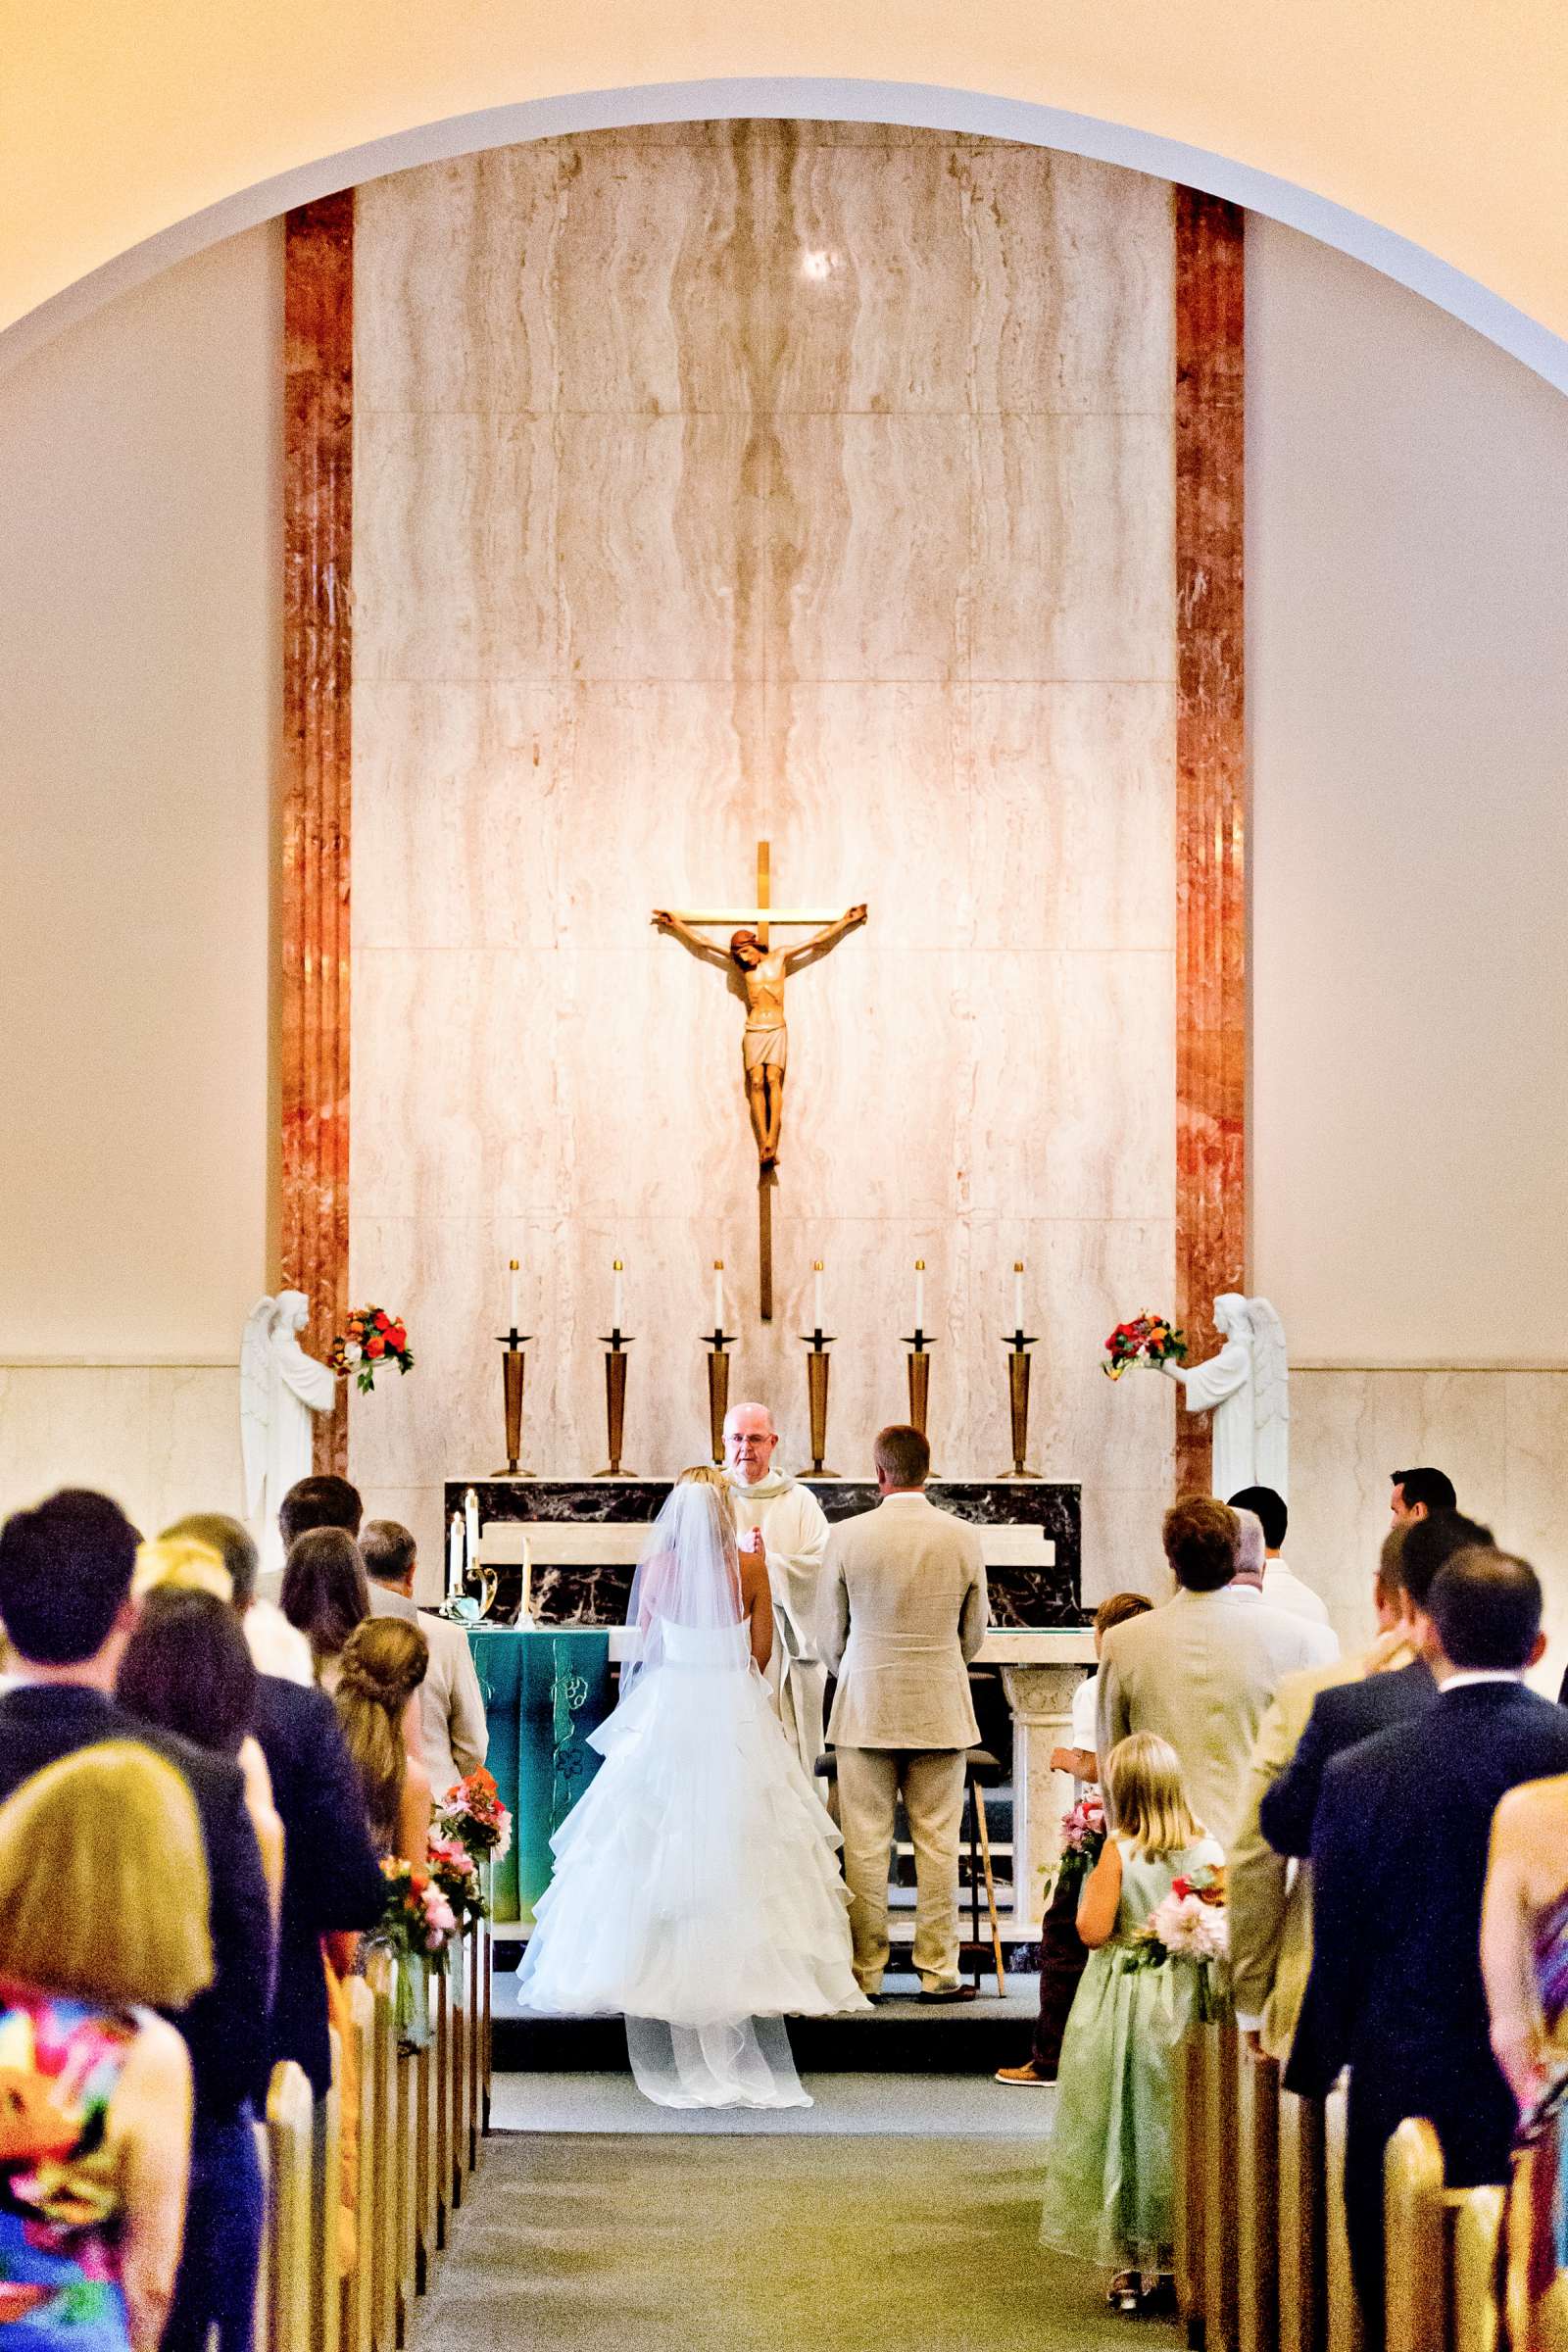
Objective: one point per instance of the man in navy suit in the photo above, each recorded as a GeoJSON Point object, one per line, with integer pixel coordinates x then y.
{"type": "Point", "coordinates": [1400, 1863]}
{"type": "Point", "coordinates": [1353, 1711]}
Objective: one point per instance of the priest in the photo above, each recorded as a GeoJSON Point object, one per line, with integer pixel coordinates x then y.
{"type": "Point", "coordinates": [793, 1535]}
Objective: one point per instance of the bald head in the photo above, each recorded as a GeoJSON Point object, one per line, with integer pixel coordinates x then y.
{"type": "Point", "coordinates": [749, 1442]}
{"type": "Point", "coordinates": [1251, 1548]}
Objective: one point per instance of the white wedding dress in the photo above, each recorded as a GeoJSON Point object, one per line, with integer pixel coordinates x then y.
{"type": "Point", "coordinates": [697, 1890]}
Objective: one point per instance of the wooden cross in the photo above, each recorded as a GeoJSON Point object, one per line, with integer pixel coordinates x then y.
{"type": "Point", "coordinates": [763, 915]}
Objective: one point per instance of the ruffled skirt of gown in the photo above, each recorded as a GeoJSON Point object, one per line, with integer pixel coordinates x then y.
{"type": "Point", "coordinates": [696, 1890]}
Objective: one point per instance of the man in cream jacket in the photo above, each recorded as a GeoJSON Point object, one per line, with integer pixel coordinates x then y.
{"type": "Point", "coordinates": [906, 1611]}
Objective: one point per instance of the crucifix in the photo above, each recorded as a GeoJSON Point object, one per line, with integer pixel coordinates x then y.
{"type": "Point", "coordinates": [761, 970]}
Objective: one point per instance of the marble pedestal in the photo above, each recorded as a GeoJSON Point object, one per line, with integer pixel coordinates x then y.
{"type": "Point", "coordinates": [1040, 1698]}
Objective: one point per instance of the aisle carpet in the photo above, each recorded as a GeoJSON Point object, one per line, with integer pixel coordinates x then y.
{"type": "Point", "coordinates": [683, 2244]}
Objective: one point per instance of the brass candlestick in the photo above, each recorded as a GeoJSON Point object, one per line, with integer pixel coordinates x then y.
{"type": "Point", "coordinates": [513, 1367]}
{"type": "Point", "coordinates": [817, 1370]}
{"type": "Point", "coordinates": [918, 1365]}
{"type": "Point", "coordinates": [616, 1401]}
{"type": "Point", "coordinates": [1018, 1403]}
{"type": "Point", "coordinates": [716, 1341]}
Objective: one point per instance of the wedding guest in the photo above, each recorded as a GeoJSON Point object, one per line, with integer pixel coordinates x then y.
{"type": "Point", "coordinates": [187, 1667]}
{"type": "Point", "coordinates": [1400, 1862]}
{"type": "Point", "coordinates": [333, 1886]}
{"type": "Point", "coordinates": [1201, 1669]}
{"type": "Point", "coordinates": [1524, 1937]}
{"type": "Point", "coordinates": [1283, 1588]}
{"type": "Point", "coordinates": [1270, 1904]}
{"type": "Point", "coordinates": [323, 1501]}
{"type": "Point", "coordinates": [103, 1917]}
{"type": "Point", "coordinates": [1061, 1948]}
{"type": "Point", "coordinates": [1251, 1578]}
{"type": "Point", "coordinates": [456, 1737]}
{"type": "Point", "coordinates": [1417, 1494]}
{"type": "Point", "coordinates": [276, 1646]}
{"type": "Point", "coordinates": [325, 1595]}
{"type": "Point", "coordinates": [1352, 1711]}
{"type": "Point", "coordinates": [383, 1664]}
{"type": "Point", "coordinates": [1108, 2190]}
{"type": "Point", "coordinates": [65, 1570]}
{"type": "Point", "coordinates": [906, 1610]}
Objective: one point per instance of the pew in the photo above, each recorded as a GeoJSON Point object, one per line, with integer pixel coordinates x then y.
{"type": "Point", "coordinates": [1261, 2258]}
{"type": "Point", "coordinates": [418, 2119]}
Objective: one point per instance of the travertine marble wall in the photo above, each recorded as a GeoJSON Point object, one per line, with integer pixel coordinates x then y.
{"type": "Point", "coordinates": [162, 1437]}
{"type": "Point", "coordinates": [799, 481]}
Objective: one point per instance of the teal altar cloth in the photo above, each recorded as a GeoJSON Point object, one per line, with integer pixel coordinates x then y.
{"type": "Point", "coordinates": [544, 1691]}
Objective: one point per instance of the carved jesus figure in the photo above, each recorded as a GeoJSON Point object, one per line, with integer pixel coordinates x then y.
{"type": "Point", "coordinates": [765, 1042]}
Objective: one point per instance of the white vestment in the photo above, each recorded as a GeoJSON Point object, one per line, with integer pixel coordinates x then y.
{"type": "Point", "coordinates": [796, 1534]}
{"type": "Point", "coordinates": [281, 1388]}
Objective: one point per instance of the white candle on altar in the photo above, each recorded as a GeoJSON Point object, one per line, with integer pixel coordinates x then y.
{"type": "Point", "coordinates": [454, 1558]}
{"type": "Point", "coordinates": [470, 1526]}
{"type": "Point", "coordinates": [920, 1293]}
{"type": "Point", "coordinates": [618, 1309]}
{"type": "Point", "coordinates": [718, 1293]}
{"type": "Point", "coordinates": [513, 1306]}
{"type": "Point", "coordinates": [1017, 1294]}
{"type": "Point", "coordinates": [816, 1294]}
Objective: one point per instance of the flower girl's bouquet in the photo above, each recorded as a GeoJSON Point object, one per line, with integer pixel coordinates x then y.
{"type": "Point", "coordinates": [1083, 1839]}
{"type": "Point", "coordinates": [1192, 1925]}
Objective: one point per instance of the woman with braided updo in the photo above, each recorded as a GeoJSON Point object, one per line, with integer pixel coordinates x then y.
{"type": "Point", "coordinates": [382, 1665]}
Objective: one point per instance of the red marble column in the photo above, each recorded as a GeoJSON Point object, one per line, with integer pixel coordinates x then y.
{"type": "Point", "coordinates": [318, 639]}
{"type": "Point", "coordinates": [1210, 787]}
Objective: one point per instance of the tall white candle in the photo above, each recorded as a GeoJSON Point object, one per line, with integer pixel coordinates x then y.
{"type": "Point", "coordinates": [1017, 1294]}
{"type": "Point", "coordinates": [525, 1613]}
{"type": "Point", "coordinates": [514, 1304]}
{"type": "Point", "coordinates": [619, 1310]}
{"type": "Point", "coordinates": [470, 1524]}
{"type": "Point", "coordinates": [454, 1558]}
{"type": "Point", "coordinates": [920, 1293]}
{"type": "Point", "coordinates": [718, 1293]}
{"type": "Point", "coordinates": [817, 1295]}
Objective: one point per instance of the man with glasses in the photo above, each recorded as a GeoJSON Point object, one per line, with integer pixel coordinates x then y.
{"type": "Point", "coordinates": [782, 1520]}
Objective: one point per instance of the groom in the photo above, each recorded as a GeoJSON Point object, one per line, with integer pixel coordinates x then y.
{"type": "Point", "coordinates": [793, 1535]}
{"type": "Point", "coordinates": [906, 1612]}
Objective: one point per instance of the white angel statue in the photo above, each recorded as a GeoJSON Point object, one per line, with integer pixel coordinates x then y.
{"type": "Point", "coordinates": [280, 1388]}
{"type": "Point", "coordinates": [1246, 1389]}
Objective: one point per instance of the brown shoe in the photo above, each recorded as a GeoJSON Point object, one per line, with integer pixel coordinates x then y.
{"type": "Point", "coordinates": [950, 1994]}
{"type": "Point", "coordinates": [1025, 2076]}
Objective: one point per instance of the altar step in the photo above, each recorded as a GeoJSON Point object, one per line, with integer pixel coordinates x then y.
{"type": "Point", "coordinates": [901, 2036]}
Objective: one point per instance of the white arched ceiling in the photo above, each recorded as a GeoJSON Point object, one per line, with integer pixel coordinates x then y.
{"type": "Point", "coordinates": [804, 98]}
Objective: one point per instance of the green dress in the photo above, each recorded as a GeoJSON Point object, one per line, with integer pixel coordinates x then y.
{"type": "Point", "coordinates": [1108, 2167]}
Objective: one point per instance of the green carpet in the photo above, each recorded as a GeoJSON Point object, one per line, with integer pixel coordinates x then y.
{"type": "Point", "coordinates": [814, 2244]}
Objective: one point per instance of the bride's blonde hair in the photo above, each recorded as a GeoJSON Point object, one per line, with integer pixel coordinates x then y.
{"type": "Point", "coordinates": [1148, 1799]}
{"type": "Point", "coordinates": [708, 1474]}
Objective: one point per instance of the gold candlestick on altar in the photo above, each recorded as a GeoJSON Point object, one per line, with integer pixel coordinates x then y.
{"type": "Point", "coordinates": [716, 1341]}
{"type": "Point", "coordinates": [513, 1366]}
{"type": "Point", "coordinates": [919, 1364]}
{"type": "Point", "coordinates": [616, 1348]}
{"type": "Point", "coordinates": [1018, 1403]}
{"type": "Point", "coordinates": [816, 1371]}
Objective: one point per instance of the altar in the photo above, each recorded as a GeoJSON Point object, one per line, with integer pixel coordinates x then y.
{"type": "Point", "coordinates": [573, 1546]}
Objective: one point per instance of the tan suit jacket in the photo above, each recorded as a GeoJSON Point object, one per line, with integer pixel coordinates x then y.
{"type": "Point", "coordinates": [905, 1610]}
{"type": "Point", "coordinates": [1201, 1671]}
{"type": "Point", "coordinates": [1270, 1899]}
{"type": "Point", "coordinates": [456, 1735]}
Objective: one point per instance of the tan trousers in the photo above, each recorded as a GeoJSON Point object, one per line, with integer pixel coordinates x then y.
{"type": "Point", "coordinates": [931, 1782]}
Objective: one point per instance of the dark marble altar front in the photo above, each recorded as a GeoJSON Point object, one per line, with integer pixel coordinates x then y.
{"type": "Point", "coordinates": [596, 1593]}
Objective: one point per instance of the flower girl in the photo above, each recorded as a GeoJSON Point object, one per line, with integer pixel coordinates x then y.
{"type": "Point", "coordinates": [1149, 1915]}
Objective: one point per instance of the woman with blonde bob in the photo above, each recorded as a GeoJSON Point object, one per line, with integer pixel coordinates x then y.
{"type": "Point", "coordinates": [383, 1663]}
{"type": "Point", "coordinates": [1109, 2170]}
{"type": "Point", "coordinates": [103, 1917]}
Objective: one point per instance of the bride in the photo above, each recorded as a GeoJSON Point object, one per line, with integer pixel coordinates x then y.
{"type": "Point", "coordinates": [696, 1887]}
